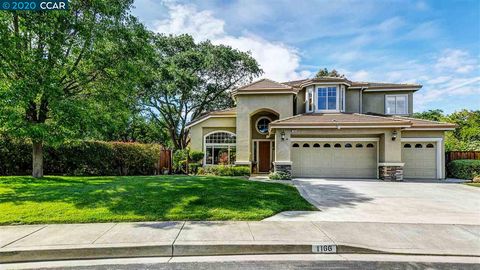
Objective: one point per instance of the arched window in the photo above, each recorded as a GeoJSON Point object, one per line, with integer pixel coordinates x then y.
{"type": "Point", "coordinates": [337, 145]}
{"type": "Point", "coordinates": [430, 145]}
{"type": "Point", "coordinates": [327, 145]}
{"type": "Point", "coordinates": [359, 145]}
{"type": "Point", "coordinates": [306, 145]}
{"type": "Point", "coordinates": [407, 145]}
{"type": "Point", "coordinates": [295, 145]}
{"type": "Point", "coordinates": [316, 145]}
{"type": "Point", "coordinates": [220, 148]}
{"type": "Point", "coordinates": [348, 145]}
{"type": "Point", "coordinates": [370, 145]}
{"type": "Point", "coordinates": [418, 145]}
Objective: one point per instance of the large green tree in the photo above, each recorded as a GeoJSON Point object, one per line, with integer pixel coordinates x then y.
{"type": "Point", "coordinates": [466, 136]}
{"type": "Point", "coordinates": [191, 79]}
{"type": "Point", "coordinates": [66, 74]}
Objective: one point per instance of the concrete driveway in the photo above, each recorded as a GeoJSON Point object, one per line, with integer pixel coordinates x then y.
{"type": "Point", "coordinates": [434, 202]}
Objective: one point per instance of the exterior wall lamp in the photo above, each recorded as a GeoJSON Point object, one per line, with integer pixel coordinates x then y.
{"type": "Point", "coordinates": [282, 135]}
{"type": "Point", "coordinates": [394, 135]}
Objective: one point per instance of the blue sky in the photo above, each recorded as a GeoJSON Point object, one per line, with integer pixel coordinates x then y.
{"type": "Point", "coordinates": [435, 43]}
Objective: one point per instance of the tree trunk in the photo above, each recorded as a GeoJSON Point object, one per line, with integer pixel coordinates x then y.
{"type": "Point", "coordinates": [37, 171]}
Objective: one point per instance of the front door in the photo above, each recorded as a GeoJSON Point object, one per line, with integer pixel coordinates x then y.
{"type": "Point", "coordinates": [263, 156]}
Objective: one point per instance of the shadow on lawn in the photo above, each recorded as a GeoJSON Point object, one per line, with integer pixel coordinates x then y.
{"type": "Point", "coordinates": [159, 197]}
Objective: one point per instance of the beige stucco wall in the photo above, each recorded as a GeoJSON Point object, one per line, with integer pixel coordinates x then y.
{"type": "Point", "coordinates": [375, 101]}
{"type": "Point", "coordinates": [197, 132]}
{"type": "Point", "coordinates": [248, 105]}
{"type": "Point", "coordinates": [282, 148]}
{"type": "Point", "coordinates": [352, 101]}
{"type": "Point", "coordinates": [300, 102]}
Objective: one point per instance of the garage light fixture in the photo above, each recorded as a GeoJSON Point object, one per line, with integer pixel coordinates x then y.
{"type": "Point", "coordinates": [394, 135]}
{"type": "Point", "coordinates": [282, 134]}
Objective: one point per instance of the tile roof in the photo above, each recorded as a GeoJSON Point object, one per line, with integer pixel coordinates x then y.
{"type": "Point", "coordinates": [226, 112]}
{"type": "Point", "coordinates": [422, 123]}
{"type": "Point", "coordinates": [355, 119]}
{"type": "Point", "coordinates": [369, 85]}
{"type": "Point", "coordinates": [264, 84]}
{"type": "Point", "coordinates": [333, 119]}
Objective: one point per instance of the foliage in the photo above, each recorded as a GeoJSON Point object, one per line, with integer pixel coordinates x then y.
{"type": "Point", "coordinates": [191, 79]}
{"type": "Point", "coordinates": [225, 170]}
{"type": "Point", "coordinates": [464, 168]}
{"type": "Point", "coordinates": [82, 158]}
{"type": "Point", "coordinates": [466, 136]}
{"type": "Point", "coordinates": [57, 199]}
{"type": "Point", "coordinates": [136, 128]}
{"type": "Point", "coordinates": [180, 158]}
{"type": "Point", "coordinates": [196, 156]}
{"type": "Point", "coordinates": [325, 73]}
{"type": "Point", "coordinates": [193, 168]}
{"type": "Point", "coordinates": [69, 74]}
{"type": "Point", "coordinates": [280, 176]}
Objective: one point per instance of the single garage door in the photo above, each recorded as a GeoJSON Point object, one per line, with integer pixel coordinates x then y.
{"type": "Point", "coordinates": [420, 160]}
{"type": "Point", "coordinates": [334, 159]}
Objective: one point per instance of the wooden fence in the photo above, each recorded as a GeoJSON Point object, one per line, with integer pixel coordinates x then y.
{"type": "Point", "coordinates": [454, 155]}
{"type": "Point", "coordinates": [165, 161]}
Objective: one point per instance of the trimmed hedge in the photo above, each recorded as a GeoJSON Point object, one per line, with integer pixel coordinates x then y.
{"type": "Point", "coordinates": [280, 176]}
{"type": "Point", "coordinates": [222, 170]}
{"type": "Point", "coordinates": [464, 168]}
{"type": "Point", "coordinates": [81, 158]}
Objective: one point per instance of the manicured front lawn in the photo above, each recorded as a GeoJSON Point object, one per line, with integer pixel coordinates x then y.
{"type": "Point", "coordinates": [474, 184]}
{"type": "Point", "coordinates": [60, 199]}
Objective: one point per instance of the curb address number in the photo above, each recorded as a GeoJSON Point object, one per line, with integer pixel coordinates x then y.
{"type": "Point", "coordinates": [324, 248]}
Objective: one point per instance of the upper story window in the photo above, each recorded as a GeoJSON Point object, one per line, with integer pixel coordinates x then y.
{"type": "Point", "coordinates": [396, 104]}
{"type": "Point", "coordinates": [325, 98]}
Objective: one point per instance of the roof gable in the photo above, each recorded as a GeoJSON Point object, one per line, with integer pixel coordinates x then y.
{"type": "Point", "coordinates": [264, 84]}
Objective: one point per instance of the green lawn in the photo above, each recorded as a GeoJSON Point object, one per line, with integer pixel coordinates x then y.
{"type": "Point", "coordinates": [60, 199]}
{"type": "Point", "coordinates": [474, 184]}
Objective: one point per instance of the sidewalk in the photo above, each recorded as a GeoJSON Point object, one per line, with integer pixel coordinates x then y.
{"type": "Point", "coordinates": [145, 239]}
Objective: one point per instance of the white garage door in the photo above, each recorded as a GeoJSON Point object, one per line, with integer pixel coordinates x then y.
{"type": "Point", "coordinates": [420, 160]}
{"type": "Point", "coordinates": [334, 159]}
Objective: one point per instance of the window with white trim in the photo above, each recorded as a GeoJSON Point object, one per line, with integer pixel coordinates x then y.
{"type": "Point", "coordinates": [327, 98]}
{"type": "Point", "coordinates": [396, 104]}
{"type": "Point", "coordinates": [220, 148]}
{"type": "Point", "coordinates": [309, 100]}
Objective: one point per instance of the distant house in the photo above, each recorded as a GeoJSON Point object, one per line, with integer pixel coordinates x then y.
{"type": "Point", "coordinates": [324, 127]}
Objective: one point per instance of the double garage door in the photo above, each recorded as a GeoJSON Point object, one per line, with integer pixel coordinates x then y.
{"type": "Point", "coordinates": [346, 159]}
{"type": "Point", "coordinates": [420, 159]}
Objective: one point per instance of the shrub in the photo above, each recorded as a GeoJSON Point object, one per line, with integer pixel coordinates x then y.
{"type": "Point", "coordinates": [81, 158]}
{"type": "Point", "coordinates": [196, 156]}
{"type": "Point", "coordinates": [193, 168]}
{"type": "Point", "coordinates": [280, 176]}
{"type": "Point", "coordinates": [180, 160]}
{"type": "Point", "coordinates": [464, 168]}
{"type": "Point", "coordinates": [222, 170]}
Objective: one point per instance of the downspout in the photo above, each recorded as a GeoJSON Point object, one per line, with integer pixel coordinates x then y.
{"type": "Point", "coordinates": [360, 101]}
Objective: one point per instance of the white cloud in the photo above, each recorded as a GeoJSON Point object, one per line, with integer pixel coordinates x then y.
{"type": "Point", "coordinates": [279, 61]}
{"type": "Point", "coordinates": [456, 60]}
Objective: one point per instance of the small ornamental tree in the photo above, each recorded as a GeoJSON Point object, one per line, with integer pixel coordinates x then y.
{"type": "Point", "coordinates": [65, 74]}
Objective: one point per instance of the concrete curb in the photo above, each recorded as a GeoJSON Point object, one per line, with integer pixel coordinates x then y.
{"type": "Point", "coordinates": [70, 253]}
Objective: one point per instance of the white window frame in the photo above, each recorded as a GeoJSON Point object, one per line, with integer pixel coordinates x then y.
{"type": "Point", "coordinates": [310, 90]}
{"type": "Point", "coordinates": [338, 91]}
{"type": "Point", "coordinates": [217, 144]}
{"type": "Point", "coordinates": [258, 120]}
{"type": "Point", "coordinates": [395, 96]}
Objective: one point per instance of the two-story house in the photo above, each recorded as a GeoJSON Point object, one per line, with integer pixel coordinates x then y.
{"type": "Point", "coordinates": [324, 127]}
